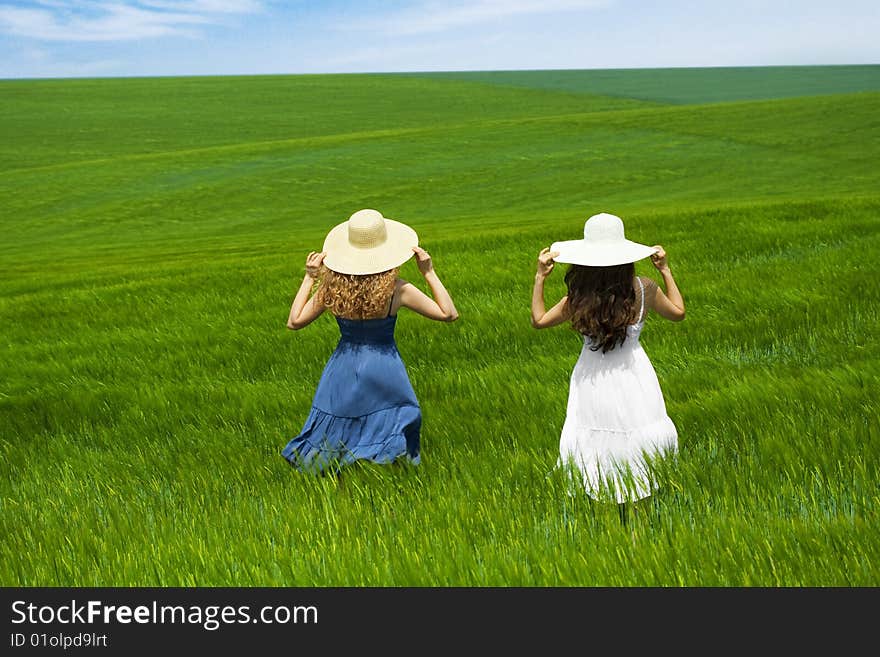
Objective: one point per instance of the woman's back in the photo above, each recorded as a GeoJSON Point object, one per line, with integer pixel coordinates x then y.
{"type": "Point", "coordinates": [378, 329]}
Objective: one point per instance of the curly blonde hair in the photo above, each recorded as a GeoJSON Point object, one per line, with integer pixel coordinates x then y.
{"type": "Point", "coordinates": [356, 296]}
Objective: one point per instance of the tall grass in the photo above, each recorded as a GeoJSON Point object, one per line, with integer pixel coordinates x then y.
{"type": "Point", "coordinates": [148, 382]}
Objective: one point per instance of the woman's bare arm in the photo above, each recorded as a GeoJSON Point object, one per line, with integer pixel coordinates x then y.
{"type": "Point", "coordinates": [669, 305]}
{"type": "Point", "coordinates": [305, 309]}
{"type": "Point", "coordinates": [441, 307]}
{"type": "Point", "coordinates": [542, 318]}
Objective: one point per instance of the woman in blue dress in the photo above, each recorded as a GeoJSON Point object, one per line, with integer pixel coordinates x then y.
{"type": "Point", "coordinates": [365, 407]}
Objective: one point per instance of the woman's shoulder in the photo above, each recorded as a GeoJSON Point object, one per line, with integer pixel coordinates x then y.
{"type": "Point", "coordinates": [647, 283]}
{"type": "Point", "coordinates": [648, 291]}
{"type": "Point", "coordinates": [400, 284]}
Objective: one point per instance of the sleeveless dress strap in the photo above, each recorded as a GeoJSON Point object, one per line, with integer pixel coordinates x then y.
{"type": "Point", "coordinates": [391, 302]}
{"type": "Point", "coordinates": [642, 309]}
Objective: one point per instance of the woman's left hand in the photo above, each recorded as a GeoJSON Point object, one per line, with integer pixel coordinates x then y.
{"type": "Point", "coordinates": [313, 263]}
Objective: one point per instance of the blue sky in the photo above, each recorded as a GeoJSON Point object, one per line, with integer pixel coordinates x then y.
{"type": "Point", "coordinates": [61, 38]}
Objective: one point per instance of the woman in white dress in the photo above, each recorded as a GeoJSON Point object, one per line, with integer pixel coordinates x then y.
{"type": "Point", "coordinates": [616, 422]}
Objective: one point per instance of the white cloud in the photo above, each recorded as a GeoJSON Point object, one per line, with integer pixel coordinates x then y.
{"type": "Point", "coordinates": [208, 6]}
{"type": "Point", "coordinates": [57, 20]}
{"type": "Point", "coordinates": [442, 16]}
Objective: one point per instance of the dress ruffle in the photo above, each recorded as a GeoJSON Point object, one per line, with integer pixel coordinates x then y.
{"type": "Point", "coordinates": [364, 408]}
{"type": "Point", "coordinates": [616, 464]}
{"type": "Point", "coordinates": [328, 441]}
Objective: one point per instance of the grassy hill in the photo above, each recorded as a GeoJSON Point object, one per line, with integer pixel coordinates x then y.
{"type": "Point", "coordinates": [154, 231]}
{"type": "Point", "coordinates": [690, 85]}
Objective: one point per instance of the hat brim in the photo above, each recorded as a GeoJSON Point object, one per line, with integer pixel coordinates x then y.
{"type": "Point", "coordinates": [344, 258]}
{"type": "Point", "coordinates": [598, 254]}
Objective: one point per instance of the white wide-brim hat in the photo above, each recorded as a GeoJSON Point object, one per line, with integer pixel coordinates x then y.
{"type": "Point", "coordinates": [368, 243]}
{"type": "Point", "coordinates": [604, 244]}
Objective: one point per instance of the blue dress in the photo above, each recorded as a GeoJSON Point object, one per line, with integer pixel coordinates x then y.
{"type": "Point", "coordinates": [365, 406]}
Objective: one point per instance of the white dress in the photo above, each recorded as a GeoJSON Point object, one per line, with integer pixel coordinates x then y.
{"type": "Point", "coordinates": [616, 417]}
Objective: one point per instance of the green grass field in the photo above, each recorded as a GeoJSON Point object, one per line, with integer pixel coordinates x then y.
{"type": "Point", "coordinates": [155, 230]}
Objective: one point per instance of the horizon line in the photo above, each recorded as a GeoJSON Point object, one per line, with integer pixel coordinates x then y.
{"type": "Point", "coordinates": [428, 72]}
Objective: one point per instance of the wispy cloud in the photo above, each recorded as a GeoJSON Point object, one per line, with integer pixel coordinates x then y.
{"type": "Point", "coordinates": [40, 62]}
{"type": "Point", "coordinates": [430, 55]}
{"type": "Point", "coordinates": [58, 20]}
{"type": "Point", "coordinates": [208, 6]}
{"type": "Point", "coordinates": [433, 16]}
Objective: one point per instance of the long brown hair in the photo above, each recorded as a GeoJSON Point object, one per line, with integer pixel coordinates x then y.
{"type": "Point", "coordinates": [356, 296]}
{"type": "Point", "coordinates": [601, 301]}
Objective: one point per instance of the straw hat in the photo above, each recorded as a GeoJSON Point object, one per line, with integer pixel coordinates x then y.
{"type": "Point", "coordinates": [368, 243]}
{"type": "Point", "coordinates": [604, 244]}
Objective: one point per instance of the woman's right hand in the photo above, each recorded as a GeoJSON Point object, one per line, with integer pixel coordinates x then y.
{"type": "Point", "coordinates": [659, 259]}
{"type": "Point", "coordinates": [313, 263]}
{"type": "Point", "coordinates": [546, 262]}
